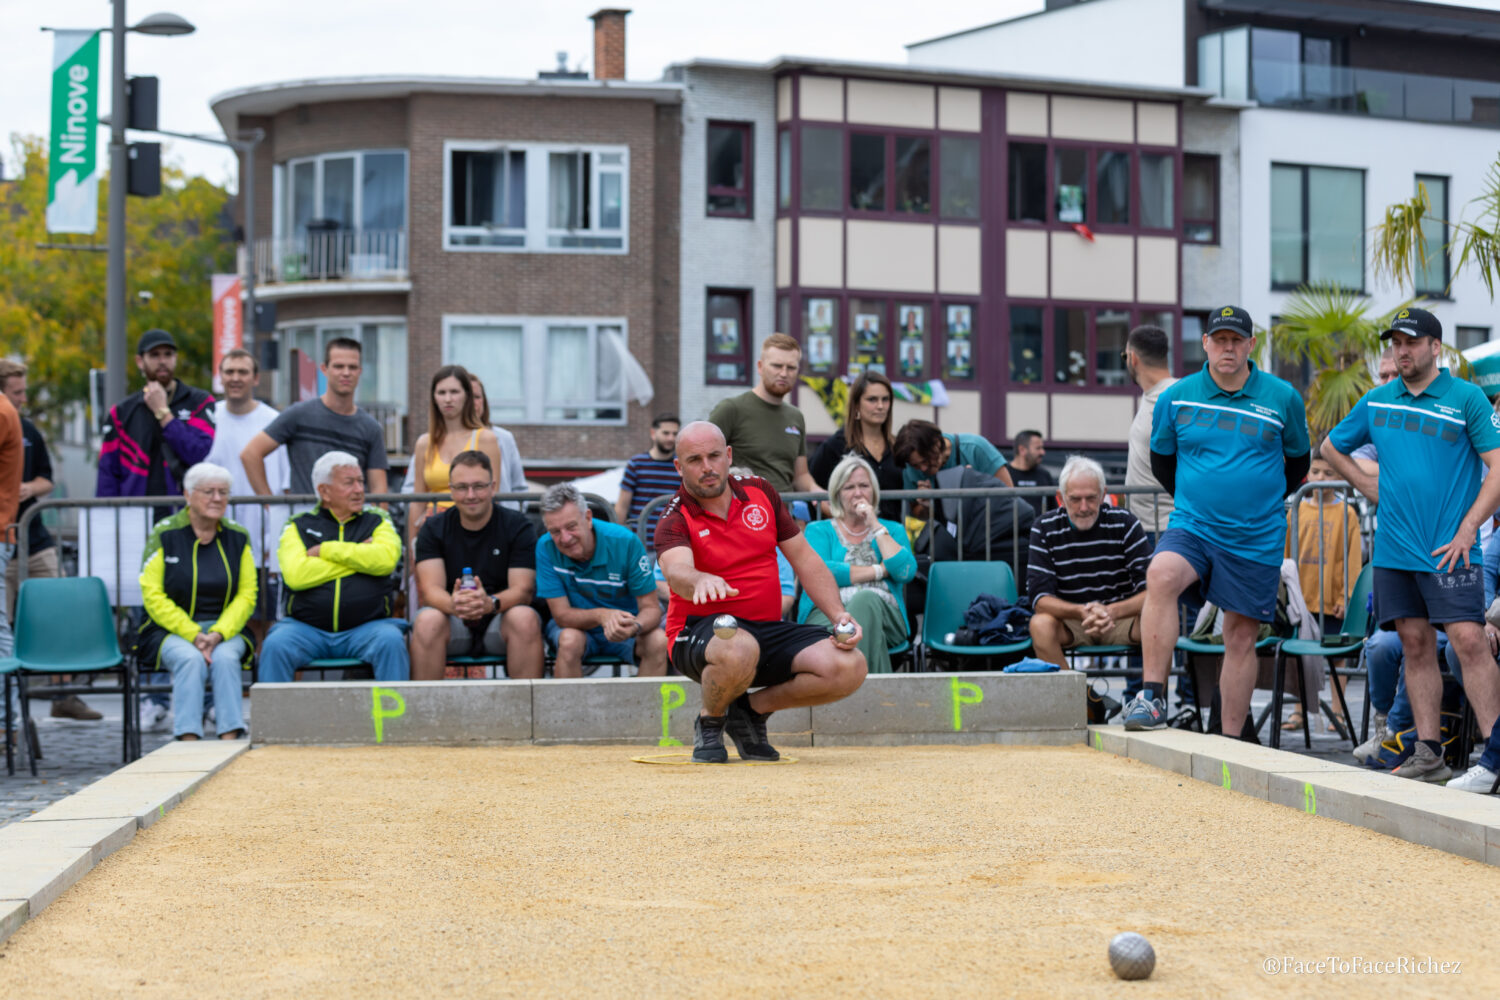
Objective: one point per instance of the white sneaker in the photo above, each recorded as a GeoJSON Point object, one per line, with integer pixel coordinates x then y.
{"type": "Point", "coordinates": [154, 718]}
{"type": "Point", "coordinates": [1476, 779]}
{"type": "Point", "coordinates": [1370, 748]}
{"type": "Point", "coordinates": [208, 716]}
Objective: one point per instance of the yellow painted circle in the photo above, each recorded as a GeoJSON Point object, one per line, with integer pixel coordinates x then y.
{"type": "Point", "coordinates": [687, 758]}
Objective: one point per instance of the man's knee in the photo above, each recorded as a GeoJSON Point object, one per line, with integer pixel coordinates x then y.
{"type": "Point", "coordinates": [1045, 628]}
{"type": "Point", "coordinates": [1168, 575]}
{"type": "Point", "coordinates": [850, 670]}
{"type": "Point", "coordinates": [571, 642]}
{"type": "Point", "coordinates": [521, 622]}
{"type": "Point", "coordinates": [740, 653]}
{"type": "Point", "coordinates": [431, 626]}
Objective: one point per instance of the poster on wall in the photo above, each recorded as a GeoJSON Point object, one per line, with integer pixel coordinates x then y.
{"type": "Point", "coordinates": [726, 335]}
{"type": "Point", "coordinates": [910, 351]}
{"type": "Point", "coordinates": [866, 332]}
{"type": "Point", "coordinates": [1069, 203]}
{"type": "Point", "coordinates": [960, 359]}
{"type": "Point", "coordinates": [959, 323]}
{"type": "Point", "coordinates": [820, 351]}
{"type": "Point", "coordinates": [820, 335]}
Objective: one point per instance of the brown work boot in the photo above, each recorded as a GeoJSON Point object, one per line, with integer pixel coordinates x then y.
{"type": "Point", "coordinates": [73, 707]}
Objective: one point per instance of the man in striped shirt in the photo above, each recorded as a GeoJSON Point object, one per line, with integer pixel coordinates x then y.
{"type": "Point", "coordinates": [649, 475]}
{"type": "Point", "coordinates": [1087, 574]}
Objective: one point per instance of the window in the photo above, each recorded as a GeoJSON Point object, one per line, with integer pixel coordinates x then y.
{"type": "Point", "coordinates": [867, 172]}
{"type": "Point", "coordinates": [1027, 195]}
{"type": "Point", "coordinates": [1113, 179]}
{"type": "Point", "coordinates": [1157, 170]}
{"type": "Point", "coordinates": [343, 192]}
{"type": "Point", "coordinates": [544, 370]}
{"type": "Point", "coordinates": [1111, 327]}
{"type": "Point", "coordinates": [1026, 344]}
{"type": "Point", "coordinates": [1193, 356]}
{"type": "Point", "coordinates": [913, 174]}
{"type": "Point", "coordinates": [784, 169]}
{"type": "Point", "coordinates": [1465, 337]}
{"type": "Point", "coordinates": [958, 356]}
{"type": "Point", "coordinates": [729, 154]}
{"type": "Point", "coordinates": [958, 159]}
{"type": "Point", "coordinates": [382, 384]}
{"type": "Point", "coordinates": [1070, 168]}
{"type": "Point", "coordinates": [1430, 269]}
{"type": "Point", "coordinates": [820, 325]}
{"type": "Point", "coordinates": [727, 337]}
{"type": "Point", "coordinates": [822, 168]}
{"type": "Point", "coordinates": [1317, 226]}
{"type": "Point", "coordinates": [867, 336]}
{"type": "Point", "coordinates": [1200, 198]}
{"type": "Point", "coordinates": [911, 343]}
{"type": "Point", "coordinates": [1167, 322]}
{"type": "Point", "coordinates": [535, 197]}
{"type": "Point", "coordinates": [1070, 344]}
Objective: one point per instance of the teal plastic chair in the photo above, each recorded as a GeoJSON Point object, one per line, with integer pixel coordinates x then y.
{"type": "Point", "coordinates": [1356, 623]}
{"type": "Point", "coordinates": [1194, 649]}
{"type": "Point", "coordinates": [487, 662]}
{"type": "Point", "coordinates": [951, 587]}
{"type": "Point", "coordinates": [65, 625]}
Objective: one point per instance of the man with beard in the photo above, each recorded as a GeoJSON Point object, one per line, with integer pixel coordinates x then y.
{"type": "Point", "coordinates": [717, 542]}
{"type": "Point", "coordinates": [766, 432]}
{"type": "Point", "coordinates": [1087, 573]}
{"type": "Point", "coordinates": [152, 437]}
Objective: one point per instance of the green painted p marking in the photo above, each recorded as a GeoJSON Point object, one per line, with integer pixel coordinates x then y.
{"type": "Point", "coordinates": [964, 693]}
{"type": "Point", "coordinates": [1225, 782]}
{"type": "Point", "coordinates": [1309, 799]}
{"type": "Point", "coordinates": [1098, 741]}
{"type": "Point", "coordinates": [379, 712]}
{"type": "Point", "coordinates": [672, 696]}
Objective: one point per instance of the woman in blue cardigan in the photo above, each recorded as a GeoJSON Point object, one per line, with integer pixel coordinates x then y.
{"type": "Point", "coordinates": [870, 559]}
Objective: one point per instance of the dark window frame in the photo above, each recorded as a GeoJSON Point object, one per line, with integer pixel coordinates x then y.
{"type": "Point", "coordinates": [889, 135]}
{"type": "Point", "coordinates": [747, 131]}
{"type": "Point", "coordinates": [1137, 312]}
{"type": "Point", "coordinates": [1459, 331]}
{"type": "Point", "coordinates": [934, 362]}
{"type": "Point", "coordinates": [1212, 161]}
{"type": "Point", "coordinates": [742, 356]}
{"type": "Point", "coordinates": [1091, 207]}
{"type": "Point", "coordinates": [1303, 169]}
{"type": "Point", "coordinates": [1440, 212]}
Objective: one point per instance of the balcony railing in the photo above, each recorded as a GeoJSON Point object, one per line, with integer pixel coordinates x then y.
{"type": "Point", "coordinates": [333, 255]}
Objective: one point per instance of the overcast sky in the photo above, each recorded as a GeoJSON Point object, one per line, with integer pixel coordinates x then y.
{"type": "Point", "coordinates": [239, 44]}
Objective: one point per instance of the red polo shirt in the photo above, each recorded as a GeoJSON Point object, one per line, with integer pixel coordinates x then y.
{"type": "Point", "coordinates": [740, 548]}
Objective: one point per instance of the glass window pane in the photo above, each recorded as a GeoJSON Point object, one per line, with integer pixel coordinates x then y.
{"type": "Point", "coordinates": [1335, 226]}
{"type": "Point", "coordinates": [1070, 168]}
{"type": "Point", "coordinates": [866, 336]}
{"type": "Point", "coordinates": [1027, 196]}
{"type": "Point", "coordinates": [1167, 322]}
{"type": "Point", "coordinates": [1286, 226]}
{"type": "Point", "coordinates": [1199, 198]}
{"type": "Point", "coordinates": [1466, 337]}
{"type": "Point", "coordinates": [784, 169]}
{"type": "Point", "coordinates": [726, 156]}
{"type": "Point", "coordinates": [338, 190]}
{"type": "Point", "coordinates": [609, 383]}
{"type": "Point", "coordinates": [1026, 344]}
{"type": "Point", "coordinates": [1237, 64]}
{"type": "Point", "coordinates": [304, 178]}
{"type": "Point", "coordinates": [958, 325]}
{"type": "Point", "coordinates": [495, 355]}
{"type": "Point", "coordinates": [1070, 344]}
{"type": "Point", "coordinates": [1276, 65]}
{"type": "Point", "coordinates": [822, 168]}
{"type": "Point", "coordinates": [610, 200]}
{"type": "Point", "coordinates": [820, 324]}
{"type": "Point", "coordinates": [383, 192]}
{"type": "Point", "coordinates": [959, 164]}
{"type": "Point", "coordinates": [1111, 327]}
{"type": "Point", "coordinates": [1157, 171]}
{"type": "Point", "coordinates": [867, 172]}
{"type": "Point", "coordinates": [725, 330]}
{"type": "Point", "coordinates": [913, 174]}
{"type": "Point", "coordinates": [569, 372]}
{"type": "Point", "coordinates": [1114, 189]}
{"type": "Point", "coordinates": [1193, 356]}
{"type": "Point", "coordinates": [1211, 62]}
{"type": "Point", "coordinates": [911, 343]}
{"type": "Point", "coordinates": [567, 190]}
{"type": "Point", "coordinates": [1430, 269]}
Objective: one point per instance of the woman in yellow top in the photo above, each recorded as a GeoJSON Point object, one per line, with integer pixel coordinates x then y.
{"type": "Point", "coordinates": [453, 425]}
{"type": "Point", "coordinates": [198, 583]}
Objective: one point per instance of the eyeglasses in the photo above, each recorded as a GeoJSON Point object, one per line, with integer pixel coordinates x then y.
{"type": "Point", "coordinates": [468, 489]}
{"type": "Point", "coordinates": [213, 494]}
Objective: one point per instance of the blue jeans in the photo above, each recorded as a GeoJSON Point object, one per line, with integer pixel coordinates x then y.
{"type": "Point", "coordinates": [189, 671]}
{"type": "Point", "coordinates": [292, 644]}
{"type": "Point", "coordinates": [1387, 683]}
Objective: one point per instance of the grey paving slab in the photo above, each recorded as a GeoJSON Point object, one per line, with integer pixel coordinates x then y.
{"type": "Point", "coordinates": [1011, 737]}
{"type": "Point", "coordinates": [101, 836]}
{"type": "Point", "coordinates": [658, 710]}
{"type": "Point", "coordinates": [957, 703]}
{"type": "Point", "coordinates": [39, 874]}
{"type": "Point", "coordinates": [353, 713]}
{"type": "Point", "coordinates": [207, 756]}
{"type": "Point", "coordinates": [13, 913]}
{"type": "Point", "coordinates": [146, 798]}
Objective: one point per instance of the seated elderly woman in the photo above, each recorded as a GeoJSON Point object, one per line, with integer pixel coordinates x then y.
{"type": "Point", "coordinates": [198, 582]}
{"type": "Point", "coordinates": [870, 558]}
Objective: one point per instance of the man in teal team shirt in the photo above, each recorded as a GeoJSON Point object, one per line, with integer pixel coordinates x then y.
{"type": "Point", "coordinates": [1229, 443]}
{"type": "Point", "coordinates": [1436, 435]}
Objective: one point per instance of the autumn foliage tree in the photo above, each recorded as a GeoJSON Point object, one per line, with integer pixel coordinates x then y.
{"type": "Point", "coordinates": [52, 304]}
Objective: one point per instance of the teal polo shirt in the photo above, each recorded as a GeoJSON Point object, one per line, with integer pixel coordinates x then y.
{"type": "Point", "coordinates": [1231, 450]}
{"type": "Point", "coordinates": [963, 449]}
{"type": "Point", "coordinates": [1430, 471]}
{"type": "Point", "coordinates": [619, 573]}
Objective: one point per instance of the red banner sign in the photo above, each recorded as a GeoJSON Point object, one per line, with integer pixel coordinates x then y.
{"type": "Point", "coordinates": [229, 320]}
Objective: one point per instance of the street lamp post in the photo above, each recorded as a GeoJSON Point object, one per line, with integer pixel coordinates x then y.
{"type": "Point", "coordinates": [115, 348]}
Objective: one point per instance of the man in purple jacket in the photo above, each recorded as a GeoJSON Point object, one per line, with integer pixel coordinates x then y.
{"type": "Point", "coordinates": [152, 437]}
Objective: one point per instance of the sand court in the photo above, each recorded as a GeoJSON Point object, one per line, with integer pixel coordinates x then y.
{"type": "Point", "coordinates": [894, 871]}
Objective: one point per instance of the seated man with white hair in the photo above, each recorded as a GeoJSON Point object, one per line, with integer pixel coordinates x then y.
{"type": "Point", "coordinates": [336, 565]}
{"type": "Point", "coordinates": [1087, 574]}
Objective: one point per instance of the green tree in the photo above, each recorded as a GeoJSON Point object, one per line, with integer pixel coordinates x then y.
{"type": "Point", "coordinates": [1399, 247]}
{"type": "Point", "coordinates": [52, 303]}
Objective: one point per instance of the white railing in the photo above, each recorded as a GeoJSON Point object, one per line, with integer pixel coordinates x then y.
{"type": "Point", "coordinates": [335, 255]}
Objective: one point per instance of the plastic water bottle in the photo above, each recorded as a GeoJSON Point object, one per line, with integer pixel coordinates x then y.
{"type": "Point", "coordinates": [467, 581]}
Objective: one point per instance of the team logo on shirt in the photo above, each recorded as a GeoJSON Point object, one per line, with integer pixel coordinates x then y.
{"type": "Point", "coordinates": [755, 517]}
{"type": "Point", "coordinates": [644, 564]}
{"type": "Point", "coordinates": [1495, 420]}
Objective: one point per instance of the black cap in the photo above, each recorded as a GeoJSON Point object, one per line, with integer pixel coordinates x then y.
{"type": "Point", "coordinates": [1231, 318]}
{"type": "Point", "coordinates": [154, 338]}
{"type": "Point", "coordinates": [1415, 322]}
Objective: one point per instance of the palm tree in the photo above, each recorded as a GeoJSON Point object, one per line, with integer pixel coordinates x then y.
{"type": "Point", "coordinates": [1333, 330]}
{"type": "Point", "coordinates": [1399, 244]}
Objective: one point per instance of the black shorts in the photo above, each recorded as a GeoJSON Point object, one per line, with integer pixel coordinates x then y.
{"type": "Point", "coordinates": [780, 642]}
{"type": "Point", "coordinates": [1440, 598]}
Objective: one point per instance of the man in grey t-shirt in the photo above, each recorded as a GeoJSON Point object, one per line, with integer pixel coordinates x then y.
{"type": "Point", "coordinates": [314, 427]}
{"type": "Point", "coordinates": [1146, 358]}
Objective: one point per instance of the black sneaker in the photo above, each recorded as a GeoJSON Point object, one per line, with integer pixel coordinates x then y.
{"type": "Point", "coordinates": [747, 728]}
{"type": "Point", "coordinates": [708, 740]}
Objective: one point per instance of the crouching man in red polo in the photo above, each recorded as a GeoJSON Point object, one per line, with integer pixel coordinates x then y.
{"type": "Point", "coordinates": [717, 542]}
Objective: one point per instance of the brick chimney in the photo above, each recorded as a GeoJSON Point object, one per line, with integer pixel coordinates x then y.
{"type": "Point", "coordinates": [609, 43]}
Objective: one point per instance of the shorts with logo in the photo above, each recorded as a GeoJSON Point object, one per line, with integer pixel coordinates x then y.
{"type": "Point", "coordinates": [1224, 579]}
{"type": "Point", "coordinates": [1440, 598]}
{"type": "Point", "coordinates": [595, 644]}
{"type": "Point", "coordinates": [780, 642]}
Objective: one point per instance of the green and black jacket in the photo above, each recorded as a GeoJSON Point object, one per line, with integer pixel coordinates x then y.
{"type": "Point", "coordinates": [184, 582]}
{"type": "Point", "coordinates": [349, 582]}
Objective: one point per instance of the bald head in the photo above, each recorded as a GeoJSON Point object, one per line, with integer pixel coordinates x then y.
{"type": "Point", "coordinates": [703, 459]}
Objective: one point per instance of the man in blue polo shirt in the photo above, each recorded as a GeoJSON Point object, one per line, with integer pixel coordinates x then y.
{"type": "Point", "coordinates": [1436, 436]}
{"type": "Point", "coordinates": [596, 579]}
{"type": "Point", "coordinates": [1229, 443]}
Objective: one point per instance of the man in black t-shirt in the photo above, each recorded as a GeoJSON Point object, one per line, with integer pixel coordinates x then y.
{"type": "Point", "coordinates": [494, 617]}
{"type": "Point", "coordinates": [1025, 467]}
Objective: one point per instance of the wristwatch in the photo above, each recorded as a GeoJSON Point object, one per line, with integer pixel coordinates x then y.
{"type": "Point", "coordinates": [495, 603]}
